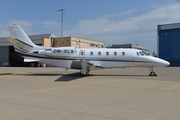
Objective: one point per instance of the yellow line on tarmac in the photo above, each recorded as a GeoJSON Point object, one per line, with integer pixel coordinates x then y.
{"type": "Point", "coordinates": [19, 73]}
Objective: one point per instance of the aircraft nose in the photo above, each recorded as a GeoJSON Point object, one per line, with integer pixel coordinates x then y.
{"type": "Point", "coordinates": [164, 62]}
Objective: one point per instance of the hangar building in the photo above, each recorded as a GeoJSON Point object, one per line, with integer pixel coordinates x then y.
{"type": "Point", "coordinates": [8, 58]}
{"type": "Point", "coordinates": [135, 46]}
{"type": "Point", "coordinates": [168, 40]}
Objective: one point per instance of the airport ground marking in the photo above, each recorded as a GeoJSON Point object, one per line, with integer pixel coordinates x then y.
{"type": "Point", "coordinates": [132, 88]}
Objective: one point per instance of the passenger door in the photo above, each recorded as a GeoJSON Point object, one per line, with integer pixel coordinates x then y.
{"type": "Point", "coordinates": [82, 53]}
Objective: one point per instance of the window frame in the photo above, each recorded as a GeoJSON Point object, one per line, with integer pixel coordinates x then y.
{"type": "Point", "coordinates": [123, 53]}
{"type": "Point", "coordinates": [107, 53]}
{"type": "Point", "coordinates": [82, 53]}
{"type": "Point", "coordinates": [91, 53]}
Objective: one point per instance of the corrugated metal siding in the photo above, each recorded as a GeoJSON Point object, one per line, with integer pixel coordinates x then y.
{"type": "Point", "coordinates": [169, 26]}
{"type": "Point", "coordinates": [4, 54]}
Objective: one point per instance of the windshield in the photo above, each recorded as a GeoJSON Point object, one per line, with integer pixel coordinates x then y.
{"type": "Point", "coordinates": [143, 53]}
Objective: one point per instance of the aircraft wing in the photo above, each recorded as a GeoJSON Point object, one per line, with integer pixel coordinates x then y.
{"type": "Point", "coordinates": [95, 65]}
{"type": "Point", "coordinates": [86, 65]}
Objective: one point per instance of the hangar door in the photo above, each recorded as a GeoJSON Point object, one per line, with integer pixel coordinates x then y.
{"type": "Point", "coordinates": [4, 55]}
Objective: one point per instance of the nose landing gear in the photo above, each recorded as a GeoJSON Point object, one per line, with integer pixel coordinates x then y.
{"type": "Point", "coordinates": [152, 73]}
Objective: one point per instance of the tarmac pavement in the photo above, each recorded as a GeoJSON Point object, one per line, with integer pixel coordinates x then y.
{"type": "Point", "coordinates": [115, 94]}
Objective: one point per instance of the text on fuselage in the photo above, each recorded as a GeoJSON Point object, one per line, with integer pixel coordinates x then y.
{"type": "Point", "coordinates": [63, 51]}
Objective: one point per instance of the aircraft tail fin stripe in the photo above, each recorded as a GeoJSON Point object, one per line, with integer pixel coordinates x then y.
{"type": "Point", "coordinates": [20, 45]}
{"type": "Point", "coordinates": [20, 50]}
{"type": "Point", "coordinates": [24, 43]}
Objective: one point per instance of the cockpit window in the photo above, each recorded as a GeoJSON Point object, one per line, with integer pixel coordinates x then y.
{"type": "Point", "coordinates": [143, 53]}
{"type": "Point", "coordinates": [137, 53]}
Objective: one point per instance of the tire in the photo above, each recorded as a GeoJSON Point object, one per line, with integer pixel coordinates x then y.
{"type": "Point", "coordinates": [152, 74]}
{"type": "Point", "coordinates": [82, 75]}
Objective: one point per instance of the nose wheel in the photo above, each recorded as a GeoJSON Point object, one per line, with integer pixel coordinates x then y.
{"type": "Point", "coordinates": [152, 73]}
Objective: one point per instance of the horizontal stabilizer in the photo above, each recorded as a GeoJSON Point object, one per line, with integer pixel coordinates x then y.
{"type": "Point", "coordinates": [31, 60]}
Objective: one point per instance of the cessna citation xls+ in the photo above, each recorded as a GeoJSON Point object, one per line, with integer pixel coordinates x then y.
{"type": "Point", "coordinates": [79, 58]}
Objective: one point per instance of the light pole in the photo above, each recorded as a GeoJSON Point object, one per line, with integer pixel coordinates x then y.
{"type": "Point", "coordinates": [62, 41]}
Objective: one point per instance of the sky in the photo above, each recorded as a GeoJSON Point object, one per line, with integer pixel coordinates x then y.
{"type": "Point", "coordinates": [109, 21]}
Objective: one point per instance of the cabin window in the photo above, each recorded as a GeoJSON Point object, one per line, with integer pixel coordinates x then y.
{"type": "Point", "coordinates": [115, 53]}
{"type": "Point", "coordinates": [107, 53]}
{"type": "Point", "coordinates": [91, 53]}
{"type": "Point", "coordinates": [99, 53]}
{"type": "Point", "coordinates": [82, 53]}
{"type": "Point", "coordinates": [123, 53]}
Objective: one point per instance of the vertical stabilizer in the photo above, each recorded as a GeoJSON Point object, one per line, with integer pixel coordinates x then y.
{"type": "Point", "coordinates": [20, 39]}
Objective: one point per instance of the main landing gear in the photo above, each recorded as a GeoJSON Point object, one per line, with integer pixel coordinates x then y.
{"type": "Point", "coordinates": [84, 69]}
{"type": "Point", "coordinates": [152, 73]}
{"type": "Point", "coordinates": [84, 73]}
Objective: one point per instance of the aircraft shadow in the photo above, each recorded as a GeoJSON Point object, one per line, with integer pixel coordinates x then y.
{"type": "Point", "coordinates": [75, 76]}
{"type": "Point", "coordinates": [121, 75]}
{"type": "Point", "coordinates": [68, 77]}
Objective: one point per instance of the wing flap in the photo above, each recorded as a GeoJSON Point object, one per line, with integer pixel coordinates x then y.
{"type": "Point", "coordinates": [95, 65]}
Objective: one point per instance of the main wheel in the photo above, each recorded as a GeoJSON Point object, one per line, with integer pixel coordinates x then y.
{"type": "Point", "coordinates": [82, 74]}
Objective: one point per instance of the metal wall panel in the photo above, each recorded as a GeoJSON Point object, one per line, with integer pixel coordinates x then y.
{"type": "Point", "coordinates": [169, 26]}
{"type": "Point", "coordinates": [4, 55]}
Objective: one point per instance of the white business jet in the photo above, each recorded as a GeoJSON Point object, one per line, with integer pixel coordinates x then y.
{"type": "Point", "coordinates": [80, 58]}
